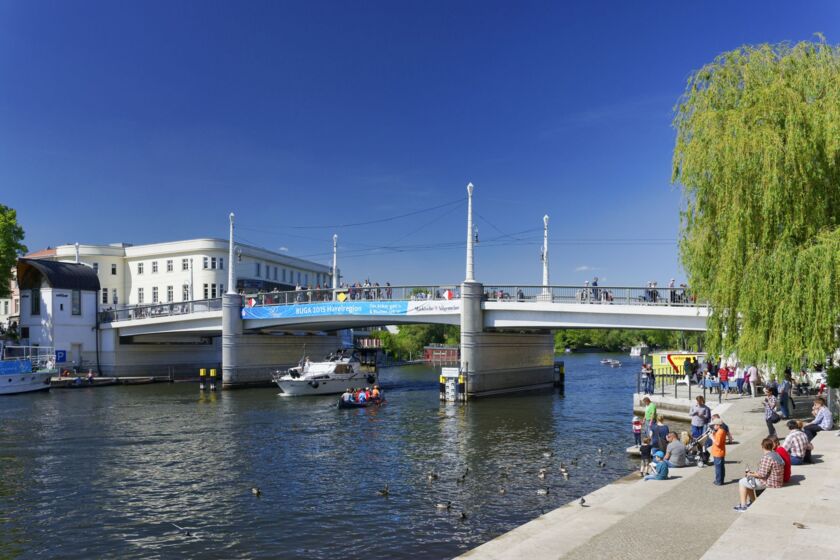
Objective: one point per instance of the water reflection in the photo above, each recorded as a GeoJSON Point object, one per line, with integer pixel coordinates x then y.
{"type": "Point", "coordinates": [119, 466]}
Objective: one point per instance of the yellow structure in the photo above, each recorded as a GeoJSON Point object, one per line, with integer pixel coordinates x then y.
{"type": "Point", "coordinates": [671, 362]}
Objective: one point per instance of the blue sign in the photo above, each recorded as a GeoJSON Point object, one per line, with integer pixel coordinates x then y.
{"type": "Point", "coordinates": [330, 308]}
{"type": "Point", "coordinates": [60, 356]}
{"type": "Point", "coordinates": [15, 366]}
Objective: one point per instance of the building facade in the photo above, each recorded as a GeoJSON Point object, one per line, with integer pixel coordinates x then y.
{"type": "Point", "coordinates": [178, 271]}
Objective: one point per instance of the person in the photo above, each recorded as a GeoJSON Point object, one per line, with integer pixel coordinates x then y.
{"type": "Point", "coordinates": [723, 377]}
{"type": "Point", "coordinates": [785, 457]}
{"type": "Point", "coordinates": [770, 416]}
{"type": "Point", "coordinates": [361, 397]}
{"type": "Point", "coordinates": [659, 433]}
{"type": "Point", "coordinates": [675, 453]}
{"type": "Point", "coordinates": [650, 414]}
{"type": "Point", "coordinates": [596, 293]}
{"type": "Point", "coordinates": [645, 450]}
{"type": "Point", "coordinates": [739, 378]}
{"type": "Point", "coordinates": [784, 395]}
{"type": "Point", "coordinates": [770, 474]}
{"type": "Point", "coordinates": [375, 394]}
{"type": "Point", "coordinates": [367, 393]}
{"type": "Point", "coordinates": [750, 379]}
{"type": "Point", "coordinates": [719, 451]}
{"type": "Point", "coordinates": [725, 428]}
{"type": "Point", "coordinates": [700, 416]}
{"type": "Point", "coordinates": [347, 396]}
{"type": "Point", "coordinates": [660, 467]}
{"type": "Point", "coordinates": [822, 419]}
{"type": "Point", "coordinates": [637, 430]}
{"type": "Point", "coordinates": [797, 444]}
{"type": "Point", "coordinates": [90, 377]}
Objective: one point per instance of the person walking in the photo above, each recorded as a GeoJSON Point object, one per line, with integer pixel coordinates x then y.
{"type": "Point", "coordinates": [718, 451]}
{"type": "Point", "coordinates": [770, 414]}
{"type": "Point", "coordinates": [784, 395]}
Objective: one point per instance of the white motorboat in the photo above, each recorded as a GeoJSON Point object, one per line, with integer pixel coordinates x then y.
{"type": "Point", "coordinates": [638, 350]}
{"type": "Point", "coordinates": [610, 362]}
{"type": "Point", "coordinates": [24, 369]}
{"type": "Point", "coordinates": [333, 376]}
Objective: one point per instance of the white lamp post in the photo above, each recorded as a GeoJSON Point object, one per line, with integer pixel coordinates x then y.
{"type": "Point", "coordinates": [231, 287]}
{"type": "Point", "coordinates": [545, 255]}
{"type": "Point", "coordinates": [470, 239]}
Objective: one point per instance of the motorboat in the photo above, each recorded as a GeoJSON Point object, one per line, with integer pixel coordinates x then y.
{"type": "Point", "coordinates": [638, 350]}
{"type": "Point", "coordinates": [610, 362]}
{"type": "Point", "coordinates": [25, 369]}
{"type": "Point", "coordinates": [332, 376]}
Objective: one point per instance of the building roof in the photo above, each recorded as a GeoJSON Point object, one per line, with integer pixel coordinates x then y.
{"type": "Point", "coordinates": [60, 275]}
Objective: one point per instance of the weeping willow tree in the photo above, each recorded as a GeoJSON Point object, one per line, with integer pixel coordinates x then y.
{"type": "Point", "coordinates": [758, 156]}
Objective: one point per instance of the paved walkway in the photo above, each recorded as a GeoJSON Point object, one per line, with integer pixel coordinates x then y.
{"type": "Point", "coordinates": [686, 516]}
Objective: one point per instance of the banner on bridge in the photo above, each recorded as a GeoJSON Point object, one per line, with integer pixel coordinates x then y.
{"type": "Point", "coordinates": [367, 308]}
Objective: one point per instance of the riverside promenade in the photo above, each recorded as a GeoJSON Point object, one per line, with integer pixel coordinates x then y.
{"type": "Point", "coordinates": [689, 515]}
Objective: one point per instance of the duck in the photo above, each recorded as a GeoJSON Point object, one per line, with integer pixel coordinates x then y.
{"type": "Point", "coordinates": [432, 475]}
{"type": "Point", "coordinates": [541, 475]}
{"type": "Point", "coordinates": [256, 491]}
{"type": "Point", "coordinates": [542, 492]}
{"type": "Point", "coordinates": [463, 516]}
{"type": "Point", "coordinates": [547, 454]}
{"type": "Point", "coordinates": [502, 491]}
{"type": "Point", "coordinates": [565, 476]}
{"type": "Point", "coordinates": [444, 506]}
{"type": "Point", "coordinates": [384, 491]}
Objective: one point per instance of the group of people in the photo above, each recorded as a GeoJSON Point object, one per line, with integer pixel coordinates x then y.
{"type": "Point", "coordinates": [360, 395]}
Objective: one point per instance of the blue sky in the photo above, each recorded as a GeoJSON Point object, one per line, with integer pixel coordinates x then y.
{"type": "Point", "coordinates": [150, 121]}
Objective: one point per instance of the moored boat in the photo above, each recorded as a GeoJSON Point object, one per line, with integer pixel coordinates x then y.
{"type": "Point", "coordinates": [26, 369]}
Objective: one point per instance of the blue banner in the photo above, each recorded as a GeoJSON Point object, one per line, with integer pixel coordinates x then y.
{"type": "Point", "coordinates": [330, 308]}
{"type": "Point", "coordinates": [15, 366]}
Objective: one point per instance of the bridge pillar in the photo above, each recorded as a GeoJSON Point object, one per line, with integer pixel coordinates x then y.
{"type": "Point", "coordinates": [231, 335]}
{"type": "Point", "coordinates": [501, 362]}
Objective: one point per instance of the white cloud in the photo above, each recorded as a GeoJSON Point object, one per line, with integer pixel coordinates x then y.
{"type": "Point", "coordinates": [283, 249]}
{"type": "Point", "coordinates": [583, 268]}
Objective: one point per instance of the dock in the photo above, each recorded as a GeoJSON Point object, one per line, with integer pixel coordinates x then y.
{"type": "Point", "coordinates": [71, 383]}
{"type": "Point", "coordinates": [615, 522]}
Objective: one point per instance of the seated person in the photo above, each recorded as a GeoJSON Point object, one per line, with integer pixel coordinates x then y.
{"type": "Point", "coordinates": [660, 467]}
{"type": "Point", "coordinates": [770, 474]}
{"type": "Point", "coordinates": [784, 455]}
{"type": "Point", "coordinates": [362, 397]}
{"type": "Point", "coordinates": [375, 393]}
{"type": "Point", "coordinates": [347, 396]}
{"type": "Point", "coordinates": [797, 445]}
{"type": "Point", "coordinates": [675, 454]}
{"type": "Point", "coordinates": [822, 419]}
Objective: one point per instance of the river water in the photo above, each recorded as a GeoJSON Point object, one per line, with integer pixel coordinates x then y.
{"type": "Point", "coordinates": [106, 472]}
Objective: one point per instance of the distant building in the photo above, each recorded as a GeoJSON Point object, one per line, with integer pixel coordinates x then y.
{"type": "Point", "coordinates": [10, 307]}
{"type": "Point", "coordinates": [178, 271]}
{"type": "Point", "coordinates": [442, 354]}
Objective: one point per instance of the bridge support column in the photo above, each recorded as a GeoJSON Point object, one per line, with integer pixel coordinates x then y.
{"type": "Point", "coordinates": [498, 362]}
{"type": "Point", "coordinates": [231, 335]}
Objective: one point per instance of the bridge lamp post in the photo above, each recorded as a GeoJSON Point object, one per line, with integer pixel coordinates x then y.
{"type": "Point", "coordinates": [470, 238]}
{"type": "Point", "coordinates": [545, 256]}
{"type": "Point", "coordinates": [335, 266]}
{"type": "Point", "coordinates": [231, 287]}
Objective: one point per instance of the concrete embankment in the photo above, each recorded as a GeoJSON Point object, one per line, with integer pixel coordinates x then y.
{"type": "Point", "coordinates": [633, 519]}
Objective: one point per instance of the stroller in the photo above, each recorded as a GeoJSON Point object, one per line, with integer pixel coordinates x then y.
{"type": "Point", "coordinates": [697, 450]}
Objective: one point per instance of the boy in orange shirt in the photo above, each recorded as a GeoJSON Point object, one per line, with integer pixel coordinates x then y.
{"type": "Point", "coordinates": [719, 450]}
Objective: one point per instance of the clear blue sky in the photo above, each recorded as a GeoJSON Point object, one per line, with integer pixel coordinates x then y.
{"type": "Point", "coordinates": [150, 121]}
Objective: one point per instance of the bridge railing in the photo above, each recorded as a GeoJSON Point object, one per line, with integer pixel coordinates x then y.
{"type": "Point", "coordinates": [624, 295]}
{"type": "Point", "coordinates": [364, 293]}
{"type": "Point", "coordinates": [134, 312]}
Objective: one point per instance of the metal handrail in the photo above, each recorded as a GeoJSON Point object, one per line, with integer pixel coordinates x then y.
{"type": "Point", "coordinates": [624, 295]}
{"type": "Point", "coordinates": [148, 311]}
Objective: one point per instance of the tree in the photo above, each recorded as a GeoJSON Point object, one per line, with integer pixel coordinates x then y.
{"type": "Point", "coordinates": [758, 156]}
{"type": "Point", "coordinates": [11, 246]}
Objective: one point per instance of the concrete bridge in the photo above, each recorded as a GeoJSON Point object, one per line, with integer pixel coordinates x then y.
{"type": "Point", "coordinates": [506, 331]}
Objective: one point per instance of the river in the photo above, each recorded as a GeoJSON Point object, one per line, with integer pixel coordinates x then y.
{"type": "Point", "coordinates": [105, 472]}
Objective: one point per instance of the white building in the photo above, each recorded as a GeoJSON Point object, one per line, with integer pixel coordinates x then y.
{"type": "Point", "coordinates": [58, 307]}
{"type": "Point", "coordinates": [188, 270]}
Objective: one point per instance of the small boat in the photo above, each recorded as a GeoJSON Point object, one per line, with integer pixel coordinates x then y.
{"type": "Point", "coordinates": [353, 404]}
{"type": "Point", "coordinates": [610, 362]}
{"type": "Point", "coordinates": [638, 350]}
{"type": "Point", "coordinates": [25, 369]}
{"type": "Point", "coordinates": [332, 376]}
{"type": "Point", "coordinates": [606, 361]}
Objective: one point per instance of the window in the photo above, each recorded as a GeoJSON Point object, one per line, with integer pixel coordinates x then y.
{"type": "Point", "coordinates": [169, 266]}
{"type": "Point", "coordinates": [113, 270]}
{"type": "Point", "coordinates": [212, 290]}
{"type": "Point", "coordinates": [206, 291]}
{"type": "Point", "coordinates": [213, 263]}
{"type": "Point", "coordinates": [96, 267]}
{"type": "Point", "coordinates": [35, 303]}
{"type": "Point", "coordinates": [221, 263]}
{"type": "Point", "coordinates": [306, 279]}
{"type": "Point", "coordinates": [76, 302]}
{"type": "Point", "coordinates": [275, 274]}
{"type": "Point", "coordinates": [154, 267]}
{"type": "Point", "coordinates": [268, 272]}
{"type": "Point", "coordinates": [139, 295]}
{"type": "Point", "coordinates": [259, 270]}
{"type": "Point", "coordinates": [221, 290]}
{"type": "Point", "coordinates": [206, 263]}
{"type": "Point", "coordinates": [284, 275]}
{"type": "Point", "coordinates": [155, 295]}
{"type": "Point", "coordinates": [185, 292]}
{"type": "Point", "coordinates": [139, 268]}
{"type": "Point", "coordinates": [104, 295]}
{"type": "Point", "coordinates": [5, 308]}
{"type": "Point", "coordinates": [114, 299]}
{"type": "Point", "coordinates": [170, 294]}
{"type": "Point", "coordinates": [185, 264]}
{"type": "Point", "coordinates": [298, 277]}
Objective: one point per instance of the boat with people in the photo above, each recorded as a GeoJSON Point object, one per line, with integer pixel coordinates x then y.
{"type": "Point", "coordinates": [361, 398]}
{"type": "Point", "coordinates": [26, 369]}
{"type": "Point", "coordinates": [332, 376]}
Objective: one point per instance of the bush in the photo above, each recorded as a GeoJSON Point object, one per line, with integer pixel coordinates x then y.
{"type": "Point", "coordinates": [833, 377]}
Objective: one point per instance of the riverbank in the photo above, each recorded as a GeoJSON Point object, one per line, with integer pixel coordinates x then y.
{"type": "Point", "coordinates": [617, 520]}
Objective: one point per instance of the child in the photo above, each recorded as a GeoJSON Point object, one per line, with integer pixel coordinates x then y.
{"type": "Point", "coordinates": [719, 450]}
{"type": "Point", "coordinates": [637, 430]}
{"type": "Point", "coordinates": [660, 467]}
{"type": "Point", "coordinates": [645, 451]}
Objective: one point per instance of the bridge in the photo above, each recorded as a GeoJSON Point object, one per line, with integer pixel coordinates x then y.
{"type": "Point", "coordinates": [506, 331]}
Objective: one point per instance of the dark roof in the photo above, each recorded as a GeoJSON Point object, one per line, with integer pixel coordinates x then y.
{"type": "Point", "coordinates": [61, 275]}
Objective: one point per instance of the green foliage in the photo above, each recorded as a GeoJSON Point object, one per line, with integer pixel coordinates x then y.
{"type": "Point", "coordinates": [758, 156]}
{"type": "Point", "coordinates": [833, 377]}
{"type": "Point", "coordinates": [411, 339]}
{"type": "Point", "coordinates": [11, 246]}
{"type": "Point", "coordinates": [615, 340]}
